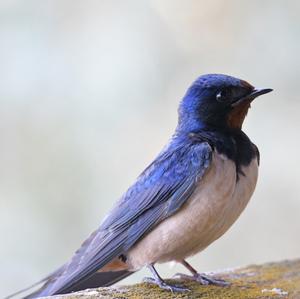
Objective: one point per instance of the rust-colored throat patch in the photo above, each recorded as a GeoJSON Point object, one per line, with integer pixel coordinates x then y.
{"type": "Point", "coordinates": [237, 115]}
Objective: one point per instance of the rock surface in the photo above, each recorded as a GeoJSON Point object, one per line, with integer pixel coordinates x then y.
{"type": "Point", "coordinates": [272, 280]}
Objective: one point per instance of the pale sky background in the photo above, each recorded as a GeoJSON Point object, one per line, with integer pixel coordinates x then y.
{"type": "Point", "coordinates": [88, 96]}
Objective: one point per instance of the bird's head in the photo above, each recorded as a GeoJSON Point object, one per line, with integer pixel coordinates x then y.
{"type": "Point", "coordinates": [216, 100]}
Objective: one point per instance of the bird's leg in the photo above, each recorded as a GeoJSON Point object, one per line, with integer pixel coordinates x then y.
{"type": "Point", "coordinates": [161, 283]}
{"type": "Point", "coordinates": [200, 277]}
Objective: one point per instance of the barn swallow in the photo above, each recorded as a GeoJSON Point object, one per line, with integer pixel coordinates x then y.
{"type": "Point", "coordinates": [188, 197]}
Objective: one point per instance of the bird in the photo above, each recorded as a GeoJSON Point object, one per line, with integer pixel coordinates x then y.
{"type": "Point", "coordinates": [188, 197]}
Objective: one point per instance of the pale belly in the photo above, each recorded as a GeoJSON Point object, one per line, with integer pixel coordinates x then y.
{"type": "Point", "coordinates": [214, 206]}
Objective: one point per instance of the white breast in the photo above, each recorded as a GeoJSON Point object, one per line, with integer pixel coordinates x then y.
{"type": "Point", "coordinates": [214, 206]}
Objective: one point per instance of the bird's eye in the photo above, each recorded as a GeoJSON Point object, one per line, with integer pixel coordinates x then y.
{"type": "Point", "coordinates": [222, 95]}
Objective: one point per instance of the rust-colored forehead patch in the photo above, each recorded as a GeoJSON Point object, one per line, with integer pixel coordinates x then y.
{"type": "Point", "coordinates": [247, 85]}
{"type": "Point", "coordinates": [237, 115]}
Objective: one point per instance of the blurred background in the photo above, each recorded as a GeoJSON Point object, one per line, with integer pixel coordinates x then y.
{"type": "Point", "coordinates": [88, 96]}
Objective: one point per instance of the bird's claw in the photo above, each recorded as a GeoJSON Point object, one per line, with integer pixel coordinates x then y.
{"type": "Point", "coordinates": [203, 279]}
{"type": "Point", "coordinates": [163, 285]}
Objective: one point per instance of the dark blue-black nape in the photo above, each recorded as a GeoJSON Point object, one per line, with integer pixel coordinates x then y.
{"type": "Point", "coordinates": [183, 201]}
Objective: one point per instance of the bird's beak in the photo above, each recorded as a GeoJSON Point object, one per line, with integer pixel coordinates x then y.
{"type": "Point", "coordinates": [256, 92]}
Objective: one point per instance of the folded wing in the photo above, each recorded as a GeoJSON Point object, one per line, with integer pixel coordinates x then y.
{"type": "Point", "coordinates": [157, 193]}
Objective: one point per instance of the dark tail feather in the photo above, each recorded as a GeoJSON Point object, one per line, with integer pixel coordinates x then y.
{"type": "Point", "coordinates": [99, 279]}
{"type": "Point", "coordinates": [102, 279]}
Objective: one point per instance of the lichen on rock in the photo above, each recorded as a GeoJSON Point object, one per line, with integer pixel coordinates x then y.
{"type": "Point", "coordinates": [272, 280]}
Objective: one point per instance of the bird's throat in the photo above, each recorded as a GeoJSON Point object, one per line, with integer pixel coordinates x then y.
{"type": "Point", "coordinates": [236, 117]}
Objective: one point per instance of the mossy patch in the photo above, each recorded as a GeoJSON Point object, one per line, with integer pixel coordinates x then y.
{"type": "Point", "coordinates": [272, 280]}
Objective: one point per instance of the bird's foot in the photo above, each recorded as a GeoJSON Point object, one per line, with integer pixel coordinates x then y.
{"type": "Point", "coordinates": [163, 285]}
{"type": "Point", "coordinates": [203, 279]}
